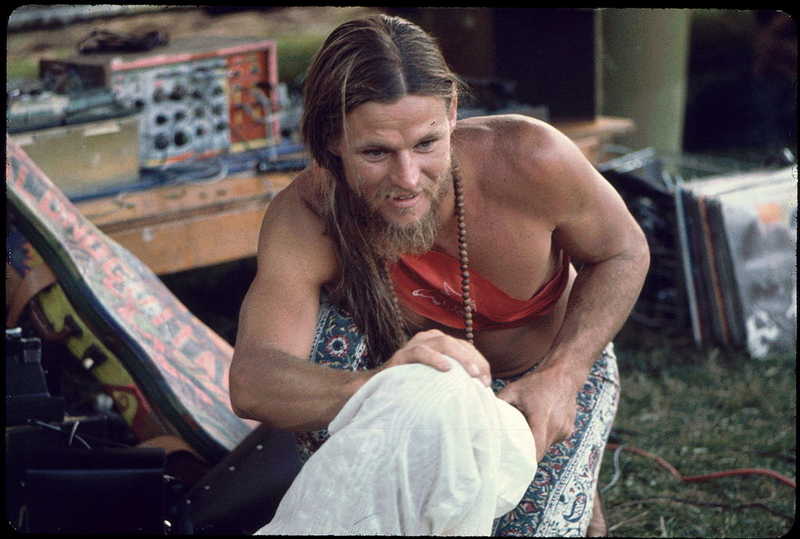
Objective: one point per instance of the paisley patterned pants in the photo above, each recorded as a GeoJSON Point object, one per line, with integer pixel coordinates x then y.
{"type": "Point", "coordinates": [559, 500]}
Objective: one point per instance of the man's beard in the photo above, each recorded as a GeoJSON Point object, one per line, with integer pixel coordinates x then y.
{"type": "Point", "coordinates": [390, 240]}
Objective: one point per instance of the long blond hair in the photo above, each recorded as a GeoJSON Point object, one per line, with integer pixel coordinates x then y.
{"type": "Point", "coordinates": [378, 58]}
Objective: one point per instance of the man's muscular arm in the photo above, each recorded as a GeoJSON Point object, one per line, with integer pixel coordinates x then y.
{"type": "Point", "coordinates": [591, 224]}
{"type": "Point", "coordinates": [270, 379]}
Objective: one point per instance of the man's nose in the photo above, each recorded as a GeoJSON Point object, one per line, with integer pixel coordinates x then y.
{"type": "Point", "coordinates": [406, 172]}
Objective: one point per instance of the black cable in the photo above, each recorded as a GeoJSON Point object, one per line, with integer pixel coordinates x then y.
{"type": "Point", "coordinates": [82, 438]}
{"type": "Point", "coordinates": [99, 41]}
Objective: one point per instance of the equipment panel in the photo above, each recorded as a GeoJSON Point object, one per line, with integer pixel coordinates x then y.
{"type": "Point", "coordinates": [196, 97]}
{"type": "Point", "coordinates": [184, 110]}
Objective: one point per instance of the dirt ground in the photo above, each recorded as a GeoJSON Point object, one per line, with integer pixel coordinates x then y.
{"type": "Point", "coordinates": [182, 22]}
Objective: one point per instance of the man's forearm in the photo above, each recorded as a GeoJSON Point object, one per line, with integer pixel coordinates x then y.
{"type": "Point", "coordinates": [288, 393]}
{"type": "Point", "coordinates": [600, 302]}
{"type": "Point", "coordinates": [601, 298]}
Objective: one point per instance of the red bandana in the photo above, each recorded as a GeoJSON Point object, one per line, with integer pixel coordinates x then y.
{"type": "Point", "coordinates": [430, 285]}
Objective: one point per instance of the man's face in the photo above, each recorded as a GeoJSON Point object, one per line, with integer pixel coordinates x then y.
{"type": "Point", "coordinates": [397, 160]}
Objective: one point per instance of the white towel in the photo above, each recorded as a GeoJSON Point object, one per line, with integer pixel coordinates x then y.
{"type": "Point", "coordinates": [415, 451]}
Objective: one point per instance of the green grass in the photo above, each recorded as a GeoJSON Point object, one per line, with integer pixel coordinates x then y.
{"type": "Point", "coordinates": [702, 411]}
{"type": "Point", "coordinates": [23, 64]}
{"type": "Point", "coordinates": [296, 52]}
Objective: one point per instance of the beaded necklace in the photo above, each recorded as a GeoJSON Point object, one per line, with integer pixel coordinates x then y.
{"type": "Point", "coordinates": [463, 257]}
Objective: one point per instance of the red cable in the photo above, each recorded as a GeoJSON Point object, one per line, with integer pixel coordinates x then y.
{"type": "Point", "coordinates": [705, 477]}
{"type": "Point", "coordinates": [742, 471]}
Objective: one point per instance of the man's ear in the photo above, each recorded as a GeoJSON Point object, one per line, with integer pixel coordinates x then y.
{"type": "Point", "coordinates": [453, 112]}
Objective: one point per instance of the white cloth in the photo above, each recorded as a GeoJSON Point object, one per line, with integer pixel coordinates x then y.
{"type": "Point", "coordinates": [415, 451]}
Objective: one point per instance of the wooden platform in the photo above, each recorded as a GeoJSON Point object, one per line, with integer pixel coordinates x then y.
{"type": "Point", "coordinates": [174, 228]}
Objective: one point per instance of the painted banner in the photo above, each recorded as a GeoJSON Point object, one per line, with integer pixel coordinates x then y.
{"type": "Point", "coordinates": [178, 363]}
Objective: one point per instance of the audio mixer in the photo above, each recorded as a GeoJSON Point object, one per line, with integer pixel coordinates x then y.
{"type": "Point", "coordinates": [196, 97]}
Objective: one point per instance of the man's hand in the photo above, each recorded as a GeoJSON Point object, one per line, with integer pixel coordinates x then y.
{"type": "Point", "coordinates": [547, 399]}
{"type": "Point", "coordinates": [430, 347]}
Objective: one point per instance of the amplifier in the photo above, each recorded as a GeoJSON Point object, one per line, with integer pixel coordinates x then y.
{"type": "Point", "coordinates": [197, 97]}
{"type": "Point", "coordinates": [86, 158]}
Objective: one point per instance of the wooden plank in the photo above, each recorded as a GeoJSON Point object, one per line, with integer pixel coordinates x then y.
{"type": "Point", "coordinates": [194, 242]}
{"type": "Point", "coordinates": [604, 127]}
{"type": "Point", "coordinates": [179, 227]}
{"type": "Point", "coordinates": [592, 135]}
{"type": "Point", "coordinates": [168, 203]}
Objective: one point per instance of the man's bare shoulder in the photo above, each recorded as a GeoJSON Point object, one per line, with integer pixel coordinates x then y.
{"type": "Point", "coordinates": [292, 233]}
{"type": "Point", "coordinates": [505, 131]}
{"type": "Point", "coordinates": [519, 160]}
{"type": "Point", "coordinates": [295, 210]}
{"type": "Point", "coordinates": [300, 200]}
{"type": "Point", "coordinates": [309, 186]}
{"type": "Point", "coordinates": [521, 146]}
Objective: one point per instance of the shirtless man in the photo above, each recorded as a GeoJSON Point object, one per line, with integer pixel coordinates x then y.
{"type": "Point", "coordinates": [380, 199]}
